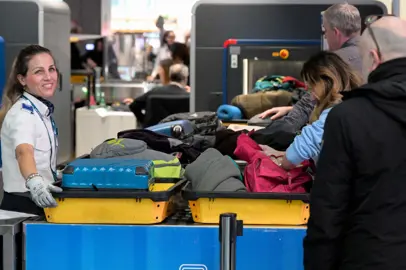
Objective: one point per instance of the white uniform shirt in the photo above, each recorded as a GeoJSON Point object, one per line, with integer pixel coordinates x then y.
{"type": "Point", "coordinates": [23, 124]}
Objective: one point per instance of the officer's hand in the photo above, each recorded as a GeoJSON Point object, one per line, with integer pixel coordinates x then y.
{"type": "Point", "coordinates": [277, 112]}
{"type": "Point", "coordinates": [41, 192]}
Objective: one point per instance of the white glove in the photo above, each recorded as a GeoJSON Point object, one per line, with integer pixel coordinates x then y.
{"type": "Point", "coordinates": [41, 192]}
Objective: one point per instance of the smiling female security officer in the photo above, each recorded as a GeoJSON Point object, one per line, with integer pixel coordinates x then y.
{"type": "Point", "coordinates": [28, 133]}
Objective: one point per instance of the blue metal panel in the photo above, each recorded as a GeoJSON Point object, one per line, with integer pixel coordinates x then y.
{"type": "Point", "coordinates": [88, 247]}
{"type": "Point", "coordinates": [259, 42]}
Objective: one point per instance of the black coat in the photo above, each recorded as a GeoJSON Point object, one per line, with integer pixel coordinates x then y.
{"type": "Point", "coordinates": [358, 200]}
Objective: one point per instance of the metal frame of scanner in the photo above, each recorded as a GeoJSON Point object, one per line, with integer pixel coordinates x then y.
{"type": "Point", "coordinates": [228, 53]}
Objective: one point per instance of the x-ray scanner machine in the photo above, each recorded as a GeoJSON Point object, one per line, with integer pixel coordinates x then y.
{"type": "Point", "coordinates": [216, 22]}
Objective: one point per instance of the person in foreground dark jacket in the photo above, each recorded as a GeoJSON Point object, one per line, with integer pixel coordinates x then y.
{"type": "Point", "coordinates": [342, 36]}
{"type": "Point", "coordinates": [358, 201]}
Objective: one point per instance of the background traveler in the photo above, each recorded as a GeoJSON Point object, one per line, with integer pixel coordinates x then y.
{"type": "Point", "coordinates": [164, 52]}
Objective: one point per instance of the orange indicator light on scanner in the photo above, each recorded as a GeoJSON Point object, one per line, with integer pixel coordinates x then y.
{"type": "Point", "coordinates": [284, 54]}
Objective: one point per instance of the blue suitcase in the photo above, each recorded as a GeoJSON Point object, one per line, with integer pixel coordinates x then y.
{"type": "Point", "coordinates": [175, 129]}
{"type": "Point", "coordinates": [108, 173]}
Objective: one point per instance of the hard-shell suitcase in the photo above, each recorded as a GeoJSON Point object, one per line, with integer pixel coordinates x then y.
{"type": "Point", "coordinates": [108, 174]}
{"type": "Point", "coordinates": [176, 129]}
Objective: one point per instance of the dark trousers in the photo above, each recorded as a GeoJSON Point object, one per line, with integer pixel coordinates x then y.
{"type": "Point", "coordinates": [20, 202]}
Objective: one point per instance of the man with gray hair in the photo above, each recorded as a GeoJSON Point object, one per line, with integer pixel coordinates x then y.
{"type": "Point", "coordinates": [342, 28]}
{"type": "Point", "coordinates": [358, 203]}
{"type": "Point", "coordinates": [178, 74]}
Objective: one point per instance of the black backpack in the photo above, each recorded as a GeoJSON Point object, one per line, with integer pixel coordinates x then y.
{"type": "Point", "coordinates": [205, 123]}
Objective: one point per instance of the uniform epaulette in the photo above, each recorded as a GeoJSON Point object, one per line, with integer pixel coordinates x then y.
{"type": "Point", "coordinates": [27, 107]}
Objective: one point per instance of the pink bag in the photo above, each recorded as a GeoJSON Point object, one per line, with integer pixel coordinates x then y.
{"type": "Point", "coordinates": [262, 174]}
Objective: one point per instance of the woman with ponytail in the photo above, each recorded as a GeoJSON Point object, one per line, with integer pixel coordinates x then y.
{"type": "Point", "coordinates": [29, 142]}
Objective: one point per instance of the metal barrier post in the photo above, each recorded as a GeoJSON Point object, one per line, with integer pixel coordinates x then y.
{"type": "Point", "coordinates": [229, 229]}
{"type": "Point", "coordinates": [9, 228]}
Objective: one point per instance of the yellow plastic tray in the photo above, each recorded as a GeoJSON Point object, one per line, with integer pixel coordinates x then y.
{"type": "Point", "coordinates": [252, 208]}
{"type": "Point", "coordinates": [112, 206]}
{"type": "Point", "coordinates": [163, 184]}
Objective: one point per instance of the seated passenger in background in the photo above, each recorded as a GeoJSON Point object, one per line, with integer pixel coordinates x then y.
{"type": "Point", "coordinates": [163, 73]}
{"type": "Point", "coordinates": [178, 74]}
{"type": "Point", "coordinates": [327, 75]}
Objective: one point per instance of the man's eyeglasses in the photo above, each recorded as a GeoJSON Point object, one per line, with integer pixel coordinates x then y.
{"type": "Point", "coordinates": [370, 20]}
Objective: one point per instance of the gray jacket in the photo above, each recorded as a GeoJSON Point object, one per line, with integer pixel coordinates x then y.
{"type": "Point", "coordinates": [350, 53]}
{"type": "Point", "coordinates": [212, 171]}
{"type": "Point", "coordinates": [300, 114]}
{"type": "Point", "coordinates": [128, 148]}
